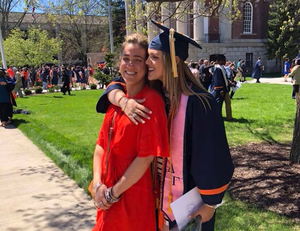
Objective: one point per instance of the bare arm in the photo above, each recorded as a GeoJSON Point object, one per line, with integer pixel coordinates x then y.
{"type": "Point", "coordinates": [133, 109]}
{"type": "Point", "coordinates": [97, 171]}
{"type": "Point", "coordinates": [132, 175]}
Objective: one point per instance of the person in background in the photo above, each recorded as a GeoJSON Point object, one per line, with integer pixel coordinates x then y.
{"type": "Point", "coordinates": [195, 71]}
{"type": "Point", "coordinates": [243, 70]}
{"type": "Point", "coordinates": [219, 86]}
{"type": "Point", "coordinates": [205, 74]}
{"type": "Point", "coordinates": [257, 71]}
{"type": "Point", "coordinates": [286, 69]}
{"type": "Point", "coordinates": [18, 84]}
{"type": "Point", "coordinates": [295, 75]}
{"type": "Point", "coordinates": [6, 98]}
{"type": "Point", "coordinates": [10, 71]}
{"type": "Point", "coordinates": [44, 75]}
{"type": "Point", "coordinates": [66, 79]}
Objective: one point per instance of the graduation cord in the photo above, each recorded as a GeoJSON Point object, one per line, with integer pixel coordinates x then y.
{"type": "Point", "coordinates": [172, 52]}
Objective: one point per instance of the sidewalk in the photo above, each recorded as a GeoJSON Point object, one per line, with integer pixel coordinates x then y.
{"type": "Point", "coordinates": [271, 80]}
{"type": "Point", "coordinates": [35, 194]}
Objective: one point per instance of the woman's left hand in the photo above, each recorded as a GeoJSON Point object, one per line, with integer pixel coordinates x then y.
{"type": "Point", "coordinates": [205, 212]}
{"type": "Point", "coordinates": [100, 198]}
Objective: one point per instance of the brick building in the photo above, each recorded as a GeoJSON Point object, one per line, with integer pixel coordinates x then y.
{"type": "Point", "coordinates": [243, 38]}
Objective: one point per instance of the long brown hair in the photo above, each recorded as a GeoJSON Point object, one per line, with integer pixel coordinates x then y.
{"type": "Point", "coordinates": [180, 85]}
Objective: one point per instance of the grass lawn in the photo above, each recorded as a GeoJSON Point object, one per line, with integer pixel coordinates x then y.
{"type": "Point", "coordinates": [66, 128]}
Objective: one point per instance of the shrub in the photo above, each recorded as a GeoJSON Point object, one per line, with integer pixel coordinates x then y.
{"type": "Point", "coordinates": [51, 89]}
{"type": "Point", "coordinates": [38, 90]}
{"type": "Point", "coordinates": [83, 88]}
{"type": "Point", "coordinates": [27, 92]}
{"type": "Point", "coordinates": [93, 86]}
{"type": "Point", "coordinates": [102, 78]}
{"type": "Point", "coordinates": [38, 83]}
{"type": "Point", "coordinates": [56, 87]}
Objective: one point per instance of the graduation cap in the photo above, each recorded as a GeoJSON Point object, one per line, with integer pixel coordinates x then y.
{"type": "Point", "coordinates": [172, 42]}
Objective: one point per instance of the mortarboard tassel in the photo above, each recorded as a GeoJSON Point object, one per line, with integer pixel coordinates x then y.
{"type": "Point", "coordinates": [172, 52]}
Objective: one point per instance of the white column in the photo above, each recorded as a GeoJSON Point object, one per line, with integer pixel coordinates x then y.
{"type": "Point", "coordinates": [181, 25]}
{"type": "Point", "coordinates": [165, 13]}
{"type": "Point", "coordinates": [198, 24]}
{"type": "Point", "coordinates": [139, 15]}
{"type": "Point", "coordinates": [225, 26]}
{"type": "Point", "coordinates": [2, 51]}
{"type": "Point", "coordinates": [128, 4]}
{"type": "Point", "coordinates": [152, 29]}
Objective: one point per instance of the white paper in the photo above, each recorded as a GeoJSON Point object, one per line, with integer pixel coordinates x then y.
{"type": "Point", "coordinates": [186, 205]}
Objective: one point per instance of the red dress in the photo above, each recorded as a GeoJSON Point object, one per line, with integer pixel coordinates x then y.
{"type": "Point", "coordinates": [136, 208]}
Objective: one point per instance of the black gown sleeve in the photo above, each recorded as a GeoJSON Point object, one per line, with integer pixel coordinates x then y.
{"type": "Point", "coordinates": [103, 103]}
{"type": "Point", "coordinates": [208, 160]}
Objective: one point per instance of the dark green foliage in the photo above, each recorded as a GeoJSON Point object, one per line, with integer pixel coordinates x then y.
{"type": "Point", "coordinates": [38, 83]}
{"type": "Point", "coordinates": [119, 22]}
{"type": "Point", "coordinates": [93, 86]}
{"type": "Point", "coordinates": [102, 78]}
{"type": "Point", "coordinates": [27, 92]}
{"type": "Point", "coordinates": [284, 32]}
{"type": "Point", "coordinates": [38, 90]}
{"type": "Point", "coordinates": [51, 89]}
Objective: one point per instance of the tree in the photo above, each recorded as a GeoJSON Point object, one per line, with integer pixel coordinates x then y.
{"type": "Point", "coordinates": [6, 7]}
{"type": "Point", "coordinates": [119, 22]}
{"type": "Point", "coordinates": [283, 32]}
{"type": "Point", "coordinates": [32, 49]}
{"type": "Point", "coordinates": [80, 25]}
{"type": "Point", "coordinates": [295, 149]}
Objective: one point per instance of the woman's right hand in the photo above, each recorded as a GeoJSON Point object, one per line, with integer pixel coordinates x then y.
{"type": "Point", "coordinates": [136, 112]}
{"type": "Point", "coordinates": [100, 198]}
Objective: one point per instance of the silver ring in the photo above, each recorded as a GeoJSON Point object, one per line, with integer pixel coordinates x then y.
{"type": "Point", "coordinates": [100, 203]}
{"type": "Point", "coordinates": [134, 115]}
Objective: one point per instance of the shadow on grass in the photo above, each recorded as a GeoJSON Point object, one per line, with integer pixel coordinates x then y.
{"type": "Point", "coordinates": [17, 122]}
{"type": "Point", "coordinates": [239, 98]}
{"type": "Point", "coordinates": [239, 120]}
{"type": "Point", "coordinates": [58, 97]}
{"type": "Point", "coordinates": [264, 176]}
{"type": "Point", "coordinates": [263, 135]}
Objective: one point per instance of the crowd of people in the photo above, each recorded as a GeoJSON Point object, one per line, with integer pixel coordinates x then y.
{"type": "Point", "coordinates": [50, 75]}
{"type": "Point", "coordinates": [221, 78]}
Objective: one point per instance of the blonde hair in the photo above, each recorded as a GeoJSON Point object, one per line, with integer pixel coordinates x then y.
{"type": "Point", "coordinates": [180, 85]}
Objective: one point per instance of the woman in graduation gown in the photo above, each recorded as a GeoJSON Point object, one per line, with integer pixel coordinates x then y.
{"type": "Point", "coordinates": [122, 179]}
{"type": "Point", "coordinates": [199, 155]}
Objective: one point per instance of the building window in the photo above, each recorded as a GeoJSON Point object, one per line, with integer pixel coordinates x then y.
{"type": "Point", "coordinates": [249, 60]}
{"type": "Point", "coordinates": [247, 18]}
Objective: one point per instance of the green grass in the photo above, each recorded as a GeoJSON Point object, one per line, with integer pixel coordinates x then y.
{"type": "Point", "coordinates": [66, 128]}
{"type": "Point", "coordinates": [236, 215]}
{"type": "Point", "coordinates": [262, 112]}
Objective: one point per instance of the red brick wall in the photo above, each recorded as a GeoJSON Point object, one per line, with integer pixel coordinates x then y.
{"type": "Point", "coordinates": [260, 17]}
{"type": "Point", "coordinates": [213, 25]}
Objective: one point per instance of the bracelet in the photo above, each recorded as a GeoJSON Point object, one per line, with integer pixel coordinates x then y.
{"type": "Point", "coordinates": [123, 106]}
{"type": "Point", "coordinates": [98, 185]}
{"type": "Point", "coordinates": [121, 99]}
{"type": "Point", "coordinates": [109, 197]}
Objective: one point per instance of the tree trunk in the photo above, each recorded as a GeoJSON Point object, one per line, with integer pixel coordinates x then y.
{"type": "Point", "coordinates": [295, 149]}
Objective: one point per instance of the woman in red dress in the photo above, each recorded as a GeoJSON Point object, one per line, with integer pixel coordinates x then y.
{"type": "Point", "coordinates": [122, 178]}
